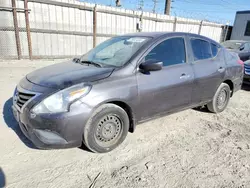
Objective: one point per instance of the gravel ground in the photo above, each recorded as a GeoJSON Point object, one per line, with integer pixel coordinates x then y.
{"type": "Point", "coordinates": [192, 148]}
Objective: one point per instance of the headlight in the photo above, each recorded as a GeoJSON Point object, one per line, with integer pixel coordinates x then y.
{"type": "Point", "coordinates": [60, 101]}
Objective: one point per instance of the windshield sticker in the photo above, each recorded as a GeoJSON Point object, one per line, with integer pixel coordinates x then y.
{"type": "Point", "coordinates": [136, 39]}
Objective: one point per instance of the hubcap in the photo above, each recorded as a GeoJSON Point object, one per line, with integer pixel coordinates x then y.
{"type": "Point", "coordinates": [108, 130]}
{"type": "Point", "coordinates": [222, 99]}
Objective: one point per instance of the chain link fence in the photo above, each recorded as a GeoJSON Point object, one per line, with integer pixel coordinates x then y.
{"type": "Point", "coordinates": [8, 49]}
{"type": "Point", "coordinates": [67, 28]}
{"type": "Point", "coordinates": [13, 32]}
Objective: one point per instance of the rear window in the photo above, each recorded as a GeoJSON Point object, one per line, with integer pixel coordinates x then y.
{"type": "Point", "coordinates": [201, 49]}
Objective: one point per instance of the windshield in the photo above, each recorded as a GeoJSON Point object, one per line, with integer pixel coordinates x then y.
{"type": "Point", "coordinates": [232, 44]}
{"type": "Point", "coordinates": [115, 51]}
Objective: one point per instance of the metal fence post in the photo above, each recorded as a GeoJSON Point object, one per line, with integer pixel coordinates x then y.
{"type": "Point", "coordinates": [94, 25]}
{"type": "Point", "coordinates": [28, 28]}
{"type": "Point", "coordinates": [18, 46]}
{"type": "Point", "coordinates": [141, 22]}
{"type": "Point", "coordinates": [199, 32]}
{"type": "Point", "coordinates": [222, 33]}
{"type": "Point", "coordinates": [225, 37]}
{"type": "Point", "coordinates": [175, 22]}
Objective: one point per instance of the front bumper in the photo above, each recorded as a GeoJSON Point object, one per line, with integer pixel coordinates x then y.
{"type": "Point", "coordinates": [53, 131]}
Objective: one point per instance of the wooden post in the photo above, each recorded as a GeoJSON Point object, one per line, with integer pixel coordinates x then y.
{"type": "Point", "coordinates": [225, 37]}
{"type": "Point", "coordinates": [18, 46]}
{"type": "Point", "coordinates": [28, 28]}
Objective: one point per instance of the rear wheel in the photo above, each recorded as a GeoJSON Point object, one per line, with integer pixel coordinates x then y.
{"type": "Point", "coordinates": [220, 99]}
{"type": "Point", "coordinates": [106, 129]}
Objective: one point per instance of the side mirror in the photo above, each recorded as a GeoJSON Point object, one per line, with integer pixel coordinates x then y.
{"type": "Point", "coordinates": [76, 60]}
{"type": "Point", "coordinates": [151, 65]}
{"type": "Point", "coordinates": [241, 48]}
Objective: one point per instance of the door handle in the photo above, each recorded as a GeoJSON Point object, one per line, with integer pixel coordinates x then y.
{"type": "Point", "coordinates": [184, 76]}
{"type": "Point", "coordinates": [221, 69]}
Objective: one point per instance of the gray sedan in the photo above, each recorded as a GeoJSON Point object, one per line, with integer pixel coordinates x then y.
{"type": "Point", "coordinates": [98, 98]}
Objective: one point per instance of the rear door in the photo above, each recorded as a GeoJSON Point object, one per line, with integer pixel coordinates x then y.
{"type": "Point", "coordinates": [169, 88]}
{"type": "Point", "coordinates": [209, 69]}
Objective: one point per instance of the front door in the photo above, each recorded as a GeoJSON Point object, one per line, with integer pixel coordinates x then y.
{"type": "Point", "coordinates": [169, 88]}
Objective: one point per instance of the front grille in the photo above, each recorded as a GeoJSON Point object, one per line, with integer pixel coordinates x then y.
{"type": "Point", "coordinates": [247, 69]}
{"type": "Point", "coordinates": [22, 98]}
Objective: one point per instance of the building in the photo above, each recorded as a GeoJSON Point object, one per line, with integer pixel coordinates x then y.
{"type": "Point", "coordinates": [241, 28]}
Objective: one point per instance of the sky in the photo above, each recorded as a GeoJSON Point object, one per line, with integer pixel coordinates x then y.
{"type": "Point", "coordinates": [221, 11]}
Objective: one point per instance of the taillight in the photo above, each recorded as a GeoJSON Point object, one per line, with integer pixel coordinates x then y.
{"type": "Point", "coordinates": [240, 62]}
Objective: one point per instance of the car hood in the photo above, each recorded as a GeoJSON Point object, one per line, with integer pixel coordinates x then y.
{"type": "Point", "coordinates": [65, 74]}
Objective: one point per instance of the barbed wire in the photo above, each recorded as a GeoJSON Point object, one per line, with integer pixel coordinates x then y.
{"type": "Point", "coordinates": [147, 6]}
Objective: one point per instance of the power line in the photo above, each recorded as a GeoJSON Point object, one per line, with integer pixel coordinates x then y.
{"type": "Point", "coordinates": [140, 4]}
{"type": "Point", "coordinates": [155, 4]}
{"type": "Point", "coordinates": [224, 4]}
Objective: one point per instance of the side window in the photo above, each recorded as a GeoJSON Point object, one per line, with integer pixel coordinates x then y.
{"type": "Point", "coordinates": [171, 51]}
{"type": "Point", "coordinates": [244, 47]}
{"type": "Point", "coordinates": [215, 49]}
{"type": "Point", "coordinates": [201, 49]}
{"type": "Point", "coordinates": [247, 30]}
{"type": "Point", "coordinates": [247, 47]}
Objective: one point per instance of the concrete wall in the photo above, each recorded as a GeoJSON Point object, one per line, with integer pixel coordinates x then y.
{"type": "Point", "coordinates": [63, 28]}
{"type": "Point", "coordinates": [239, 27]}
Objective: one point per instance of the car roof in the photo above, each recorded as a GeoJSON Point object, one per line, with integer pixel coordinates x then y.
{"type": "Point", "coordinates": [160, 34]}
{"type": "Point", "coordinates": [147, 34]}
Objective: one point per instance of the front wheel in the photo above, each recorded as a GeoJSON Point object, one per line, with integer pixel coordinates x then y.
{"type": "Point", "coordinates": [106, 129]}
{"type": "Point", "coordinates": [220, 99]}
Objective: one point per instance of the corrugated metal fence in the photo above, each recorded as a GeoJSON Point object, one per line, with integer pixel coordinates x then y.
{"type": "Point", "coordinates": [66, 28]}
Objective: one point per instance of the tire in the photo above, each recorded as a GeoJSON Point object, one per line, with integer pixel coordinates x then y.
{"type": "Point", "coordinates": [220, 99]}
{"type": "Point", "coordinates": [106, 129]}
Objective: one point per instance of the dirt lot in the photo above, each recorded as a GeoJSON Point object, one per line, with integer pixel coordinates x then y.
{"type": "Point", "coordinates": [192, 148]}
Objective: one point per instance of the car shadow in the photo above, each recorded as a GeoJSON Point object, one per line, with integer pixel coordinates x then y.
{"type": "Point", "coordinates": [84, 148]}
{"type": "Point", "coordinates": [245, 87]}
{"type": "Point", "coordinates": [2, 178]}
{"type": "Point", "coordinates": [202, 109]}
{"type": "Point", "coordinates": [12, 123]}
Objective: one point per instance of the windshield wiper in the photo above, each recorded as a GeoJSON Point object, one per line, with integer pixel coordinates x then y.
{"type": "Point", "coordinates": [91, 63]}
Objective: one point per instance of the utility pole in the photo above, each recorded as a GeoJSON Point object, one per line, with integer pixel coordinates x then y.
{"type": "Point", "coordinates": [167, 7]}
{"type": "Point", "coordinates": [118, 3]}
{"type": "Point", "coordinates": [154, 7]}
